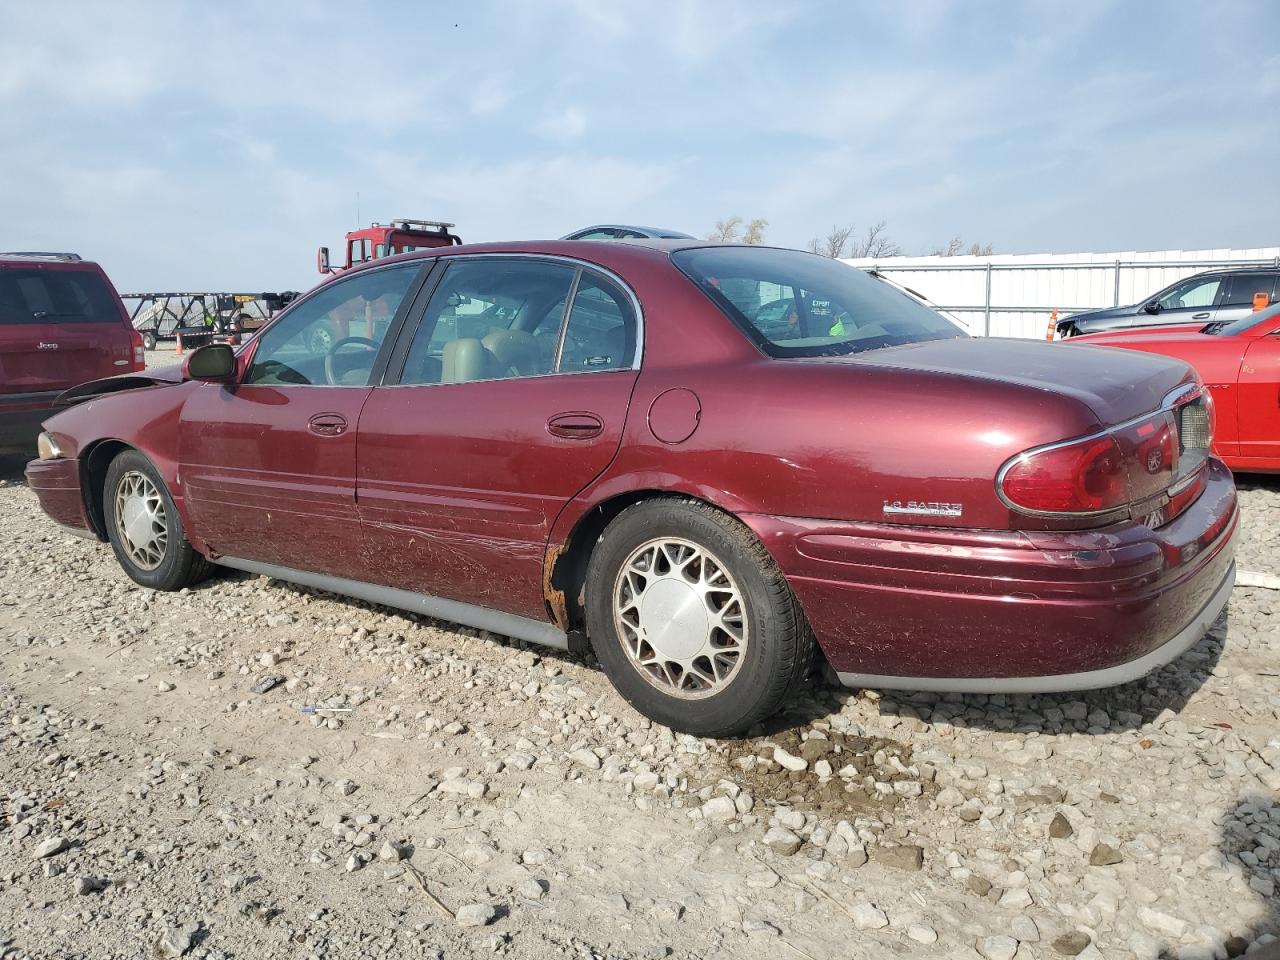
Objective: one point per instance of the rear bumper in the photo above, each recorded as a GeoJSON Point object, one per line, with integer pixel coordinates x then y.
{"type": "Point", "coordinates": [56, 484]}
{"type": "Point", "coordinates": [21, 415]}
{"type": "Point", "coordinates": [924, 608]}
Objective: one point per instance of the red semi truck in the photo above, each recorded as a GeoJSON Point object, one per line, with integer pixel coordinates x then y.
{"type": "Point", "coordinates": [385, 239]}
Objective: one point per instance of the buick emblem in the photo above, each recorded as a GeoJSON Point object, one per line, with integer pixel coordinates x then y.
{"type": "Point", "coordinates": [1155, 460]}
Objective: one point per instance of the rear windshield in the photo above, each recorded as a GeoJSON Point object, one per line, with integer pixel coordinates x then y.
{"type": "Point", "coordinates": [796, 304]}
{"type": "Point", "coordinates": [30, 295]}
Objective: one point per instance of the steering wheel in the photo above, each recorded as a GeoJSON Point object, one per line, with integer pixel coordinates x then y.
{"type": "Point", "coordinates": [337, 345]}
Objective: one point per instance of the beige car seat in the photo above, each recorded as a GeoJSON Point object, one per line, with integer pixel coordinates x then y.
{"type": "Point", "coordinates": [465, 360]}
{"type": "Point", "coordinates": [516, 352]}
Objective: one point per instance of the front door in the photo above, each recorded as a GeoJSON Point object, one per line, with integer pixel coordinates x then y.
{"type": "Point", "coordinates": [1259, 402]}
{"type": "Point", "coordinates": [1195, 300]}
{"type": "Point", "coordinates": [267, 465]}
{"type": "Point", "coordinates": [504, 403]}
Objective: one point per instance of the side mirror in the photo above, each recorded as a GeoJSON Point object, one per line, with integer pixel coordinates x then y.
{"type": "Point", "coordinates": [1151, 306]}
{"type": "Point", "coordinates": [322, 260]}
{"type": "Point", "coordinates": [212, 363]}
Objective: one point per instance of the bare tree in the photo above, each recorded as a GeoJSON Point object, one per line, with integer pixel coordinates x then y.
{"type": "Point", "coordinates": [876, 244]}
{"type": "Point", "coordinates": [839, 243]}
{"type": "Point", "coordinates": [833, 244]}
{"type": "Point", "coordinates": [956, 246]}
{"type": "Point", "coordinates": [726, 231]}
{"type": "Point", "coordinates": [754, 233]}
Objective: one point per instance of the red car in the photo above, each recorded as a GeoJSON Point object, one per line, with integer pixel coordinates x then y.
{"type": "Point", "coordinates": [61, 323]}
{"type": "Point", "coordinates": [580, 443]}
{"type": "Point", "coordinates": [1239, 363]}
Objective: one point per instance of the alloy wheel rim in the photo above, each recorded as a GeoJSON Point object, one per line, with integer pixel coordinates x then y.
{"type": "Point", "coordinates": [140, 520]}
{"type": "Point", "coordinates": [681, 618]}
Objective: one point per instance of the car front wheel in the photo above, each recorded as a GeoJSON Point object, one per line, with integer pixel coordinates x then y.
{"type": "Point", "coordinates": [144, 528]}
{"type": "Point", "coordinates": [692, 620]}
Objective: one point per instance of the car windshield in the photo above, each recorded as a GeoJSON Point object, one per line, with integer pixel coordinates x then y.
{"type": "Point", "coordinates": [795, 304]}
{"type": "Point", "coordinates": [35, 295]}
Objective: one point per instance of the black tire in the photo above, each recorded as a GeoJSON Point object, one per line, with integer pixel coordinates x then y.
{"type": "Point", "coordinates": [149, 340]}
{"type": "Point", "coordinates": [779, 647]}
{"type": "Point", "coordinates": [180, 564]}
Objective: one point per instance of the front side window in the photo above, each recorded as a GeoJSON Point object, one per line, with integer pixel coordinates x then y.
{"type": "Point", "coordinates": [55, 296]}
{"type": "Point", "coordinates": [490, 319]}
{"type": "Point", "coordinates": [794, 304]}
{"type": "Point", "coordinates": [1200, 292]}
{"type": "Point", "coordinates": [333, 337]}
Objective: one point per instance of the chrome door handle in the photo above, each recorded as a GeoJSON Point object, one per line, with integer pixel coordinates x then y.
{"type": "Point", "coordinates": [328, 424]}
{"type": "Point", "coordinates": [1199, 316]}
{"type": "Point", "coordinates": [575, 426]}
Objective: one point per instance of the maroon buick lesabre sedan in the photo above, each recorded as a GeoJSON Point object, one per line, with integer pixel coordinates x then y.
{"type": "Point", "coordinates": [698, 460]}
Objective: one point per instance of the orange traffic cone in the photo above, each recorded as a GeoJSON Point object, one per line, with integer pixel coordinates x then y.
{"type": "Point", "coordinates": [1052, 331]}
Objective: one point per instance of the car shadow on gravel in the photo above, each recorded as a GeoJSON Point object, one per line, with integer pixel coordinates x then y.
{"type": "Point", "coordinates": [12, 467]}
{"type": "Point", "coordinates": [1253, 818]}
{"type": "Point", "coordinates": [1258, 481]}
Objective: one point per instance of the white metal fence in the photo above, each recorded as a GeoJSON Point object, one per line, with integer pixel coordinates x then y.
{"type": "Point", "coordinates": [1014, 295]}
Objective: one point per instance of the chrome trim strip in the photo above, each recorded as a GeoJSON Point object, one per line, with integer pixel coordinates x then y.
{"type": "Point", "coordinates": [1170, 650]}
{"type": "Point", "coordinates": [1167, 404]}
{"type": "Point", "coordinates": [455, 611]}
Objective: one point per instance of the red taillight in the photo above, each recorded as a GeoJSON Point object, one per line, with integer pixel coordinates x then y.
{"type": "Point", "coordinates": [139, 351]}
{"type": "Point", "coordinates": [1088, 476]}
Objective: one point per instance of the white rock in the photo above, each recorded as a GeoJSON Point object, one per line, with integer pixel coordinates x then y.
{"type": "Point", "coordinates": [719, 809]}
{"type": "Point", "coordinates": [782, 840]}
{"type": "Point", "coordinates": [998, 948]}
{"type": "Point", "coordinates": [585, 758]}
{"type": "Point", "coordinates": [922, 933]}
{"type": "Point", "coordinates": [867, 916]}
{"type": "Point", "coordinates": [788, 761]}
{"type": "Point", "coordinates": [475, 915]}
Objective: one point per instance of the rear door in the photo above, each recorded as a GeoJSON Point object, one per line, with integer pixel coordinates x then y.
{"type": "Point", "coordinates": [1242, 291]}
{"type": "Point", "coordinates": [60, 325]}
{"type": "Point", "coordinates": [496, 413]}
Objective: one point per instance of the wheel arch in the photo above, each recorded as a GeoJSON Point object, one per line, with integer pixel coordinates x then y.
{"type": "Point", "coordinates": [93, 479]}
{"type": "Point", "coordinates": [565, 565]}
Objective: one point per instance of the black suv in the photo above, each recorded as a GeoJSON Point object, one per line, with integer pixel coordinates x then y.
{"type": "Point", "coordinates": [1224, 295]}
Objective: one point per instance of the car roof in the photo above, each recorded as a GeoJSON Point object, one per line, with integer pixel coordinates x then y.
{"type": "Point", "coordinates": [20, 257]}
{"type": "Point", "coordinates": [653, 232]}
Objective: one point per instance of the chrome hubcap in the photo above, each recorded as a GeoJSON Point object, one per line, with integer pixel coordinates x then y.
{"type": "Point", "coordinates": [140, 520]}
{"type": "Point", "coordinates": [680, 617]}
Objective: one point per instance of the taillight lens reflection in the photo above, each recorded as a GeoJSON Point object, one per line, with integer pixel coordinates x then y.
{"type": "Point", "coordinates": [1084, 477]}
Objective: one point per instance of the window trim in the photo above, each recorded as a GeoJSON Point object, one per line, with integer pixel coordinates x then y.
{"type": "Point", "coordinates": [406, 332]}
{"type": "Point", "coordinates": [384, 348]}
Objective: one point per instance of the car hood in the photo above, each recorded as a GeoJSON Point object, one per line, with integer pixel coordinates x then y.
{"type": "Point", "coordinates": [1115, 385]}
{"type": "Point", "coordinates": [161, 376]}
{"type": "Point", "coordinates": [1108, 314]}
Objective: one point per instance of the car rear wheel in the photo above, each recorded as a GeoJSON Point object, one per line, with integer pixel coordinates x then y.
{"type": "Point", "coordinates": [149, 340]}
{"type": "Point", "coordinates": [144, 527]}
{"type": "Point", "coordinates": [692, 620]}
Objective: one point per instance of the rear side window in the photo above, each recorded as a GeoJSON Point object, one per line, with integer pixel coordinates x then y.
{"type": "Point", "coordinates": [601, 333]}
{"type": "Point", "coordinates": [1244, 286]}
{"type": "Point", "coordinates": [55, 296]}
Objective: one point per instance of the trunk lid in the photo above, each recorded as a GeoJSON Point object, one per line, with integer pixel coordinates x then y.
{"type": "Point", "coordinates": [59, 326]}
{"type": "Point", "coordinates": [37, 358]}
{"type": "Point", "coordinates": [1115, 385]}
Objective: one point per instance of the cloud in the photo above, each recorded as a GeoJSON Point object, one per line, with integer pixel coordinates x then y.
{"type": "Point", "coordinates": [566, 124]}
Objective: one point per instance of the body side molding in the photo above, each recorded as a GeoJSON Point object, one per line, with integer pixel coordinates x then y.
{"type": "Point", "coordinates": [482, 618]}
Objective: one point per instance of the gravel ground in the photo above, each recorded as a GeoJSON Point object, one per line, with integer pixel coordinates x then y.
{"type": "Point", "coordinates": [165, 793]}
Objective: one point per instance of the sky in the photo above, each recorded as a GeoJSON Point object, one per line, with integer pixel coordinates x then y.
{"type": "Point", "coordinates": [217, 145]}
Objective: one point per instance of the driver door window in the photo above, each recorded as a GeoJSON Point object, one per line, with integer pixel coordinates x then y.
{"type": "Point", "coordinates": [333, 337]}
{"type": "Point", "coordinates": [1197, 293]}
